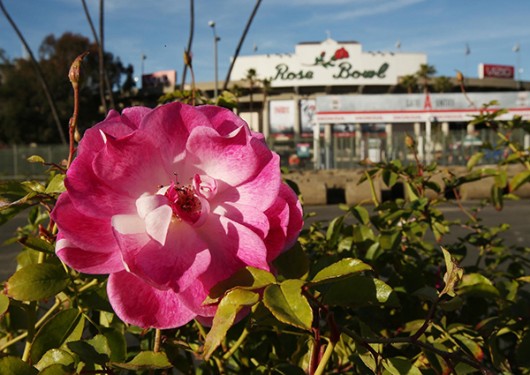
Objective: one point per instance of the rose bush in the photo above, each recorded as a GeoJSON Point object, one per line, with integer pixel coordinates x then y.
{"type": "Point", "coordinates": [169, 202]}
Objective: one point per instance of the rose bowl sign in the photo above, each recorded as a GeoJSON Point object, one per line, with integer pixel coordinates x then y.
{"type": "Point", "coordinates": [496, 71]}
{"type": "Point", "coordinates": [330, 63]}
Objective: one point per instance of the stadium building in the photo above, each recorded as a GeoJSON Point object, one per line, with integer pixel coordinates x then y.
{"type": "Point", "coordinates": [330, 105]}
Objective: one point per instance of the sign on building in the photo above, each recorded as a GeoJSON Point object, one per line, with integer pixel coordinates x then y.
{"type": "Point", "coordinates": [330, 63]}
{"type": "Point", "coordinates": [282, 116]}
{"type": "Point", "coordinates": [159, 82]}
{"type": "Point", "coordinates": [496, 71]}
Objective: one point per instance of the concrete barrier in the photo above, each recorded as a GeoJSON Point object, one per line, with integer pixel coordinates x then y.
{"type": "Point", "coordinates": [315, 186]}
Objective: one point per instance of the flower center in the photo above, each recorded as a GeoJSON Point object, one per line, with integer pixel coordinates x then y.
{"type": "Point", "coordinates": [185, 204]}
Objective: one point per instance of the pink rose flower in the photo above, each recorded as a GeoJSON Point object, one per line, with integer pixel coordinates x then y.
{"type": "Point", "coordinates": [169, 202]}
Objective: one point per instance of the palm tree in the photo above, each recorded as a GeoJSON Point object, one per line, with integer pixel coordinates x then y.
{"type": "Point", "coordinates": [443, 84]}
{"type": "Point", "coordinates": [241, 40]}
{"type": "Point", "coordinates": [409, 82]}
{"type": "Point", "coordinates": [424, 74]}
{"type": "Point", "coordinates": [251, 77]}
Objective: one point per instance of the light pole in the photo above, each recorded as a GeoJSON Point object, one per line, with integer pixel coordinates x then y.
{"type": "Point", "coordinates": [215, 40]}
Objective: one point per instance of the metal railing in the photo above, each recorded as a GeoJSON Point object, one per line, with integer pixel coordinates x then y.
{"type": "Point", "coordinates": [14, 160]}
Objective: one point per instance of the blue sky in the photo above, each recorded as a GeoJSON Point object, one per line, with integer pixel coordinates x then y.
{"type": "Point", "coordinates": [159, 29]}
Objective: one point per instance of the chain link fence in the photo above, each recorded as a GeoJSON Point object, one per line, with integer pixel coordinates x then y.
{"type": "Point", "coordinates": [15, 166]}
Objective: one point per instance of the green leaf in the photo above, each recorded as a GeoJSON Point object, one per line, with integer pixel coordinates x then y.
{"type": "Point", "coordinates": [88, 353]}
{"type": "Point", "coordinates": [334, 229]}
{"type": "Point", "coordinates": [343, 268]}
{"type": "Point", "coordinates": [497, 197]}
{"type": "Point", "coordinates": [412, 192]}
{"type": "Point", "coordinates": [426, 293]}
{"type": "Point", "coordinates": [37, 281]}
{"type": "Point", "coordinates": [452, 276]}
{"type": "Point", "coordinates": [55, 356]}
{"type": "Point", "coordinates": [390, 240]}
{"type": "Point", "coordinates": [519, 179]}
{"type": "Point", "coordinates": [4, 303]}
{"type": "Point", "coordinates": [36, 159]}
{"type": "Point", "coordinates": [58, 330]}
{"type": "Point", "coordinates": [293, 263]}
{"type": "Point", "coordinates": [470, 345]}
{"type": "Point", "coordinates": [400, 366]}
{"type": "Point", "coordinates": [33, 186]}
{"type": "Point", "coordinates": [38, 244]}
{"type": "Point", "coordinates": [358, 291]}
{"type": "Point", "coordinates": [361, 214]}
{"type": "Point", "coordinates": [58, 369]}
{"type": "Point", "coordinates": [524, 279]}
{"type": "Point", "coordinates": [146, 360]}
{"type": "Point", "coordinates": [56, 185]}
{"type": "Point", "coordinates": [389, 178]}
{"type": "Point", "coordinates": [523, 350]}
{"type": "Point", "coordinates": [16, 366]}
{"type": "Point", "coordinates": [249, 278]}
{"type": "Point", "coordinates": [117, 344]}
{"type": "Point", "coordinates": [226, 313]}
{"type": "Point", "coordinates": [475, 284]}
{"type": "Point", "coordinates": [473, 160]}
{"type": "Point", "coordinates": [288, 305]}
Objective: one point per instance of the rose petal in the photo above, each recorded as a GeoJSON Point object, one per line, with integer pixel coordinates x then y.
{"type": "Point", "coordinates": [88, 261]}
{"type": "Point", "coordinates": [260, 191]}
{"type": "Point", "coordinates": [138, 303]}
{"type": "Point", "coordinates": [176, 264]}
{"type": "Point", "coordinates": [222, 119]}
{"type": "Point", "coordinates": [84, 231]}
{"type": "Point", "coordinates": [131, 165]}
{"type": "Point", "coordinates": [249, 216]}
{"type": "Point", "coordinates": [219, 156]}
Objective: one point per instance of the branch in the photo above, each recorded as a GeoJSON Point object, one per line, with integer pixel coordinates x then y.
{"type": "Point", "coordinates": [241, 40]}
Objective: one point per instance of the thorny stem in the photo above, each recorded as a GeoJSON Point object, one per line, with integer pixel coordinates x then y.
{"type": "Point", "coordinates": [426, 323]}
{"type": "Point", "coordinates": [156, 345]}
{"type": "Point", "coordinates": [73, 75]}
{"type": "Point", "coordinates": [325, 358]}
{"type": "Point", "coordinates": [41, 321]}
{"type": "Point", "coordinates": [447, 356]}
{"type": "Point", "coordinates": [32, 315]}
{"type": "Point", "coordinates": [237, 344]}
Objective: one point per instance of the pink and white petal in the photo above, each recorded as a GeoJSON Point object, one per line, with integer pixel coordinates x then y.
{"type": "Point", "coordinates": [250, 216]}
{"type": "Point", "coordinates": [138, 303]}
{"type": "Point", "coordinates": [132, 165]}
{"type": "Point", "coordinates": [232, 246]}
{"type": "Point", "coordinates": [147, 203]}
{"type": "Point", "coordinates": [92, 142]}
{"type": "Point", "coordinates": [176, 265]}
{"type": "Point", "coordinates": [278, 215]}
{"type": "Point", "coordinates": [93, 196]}
{"type": "Point", "coordinates": [127, 224]}
{"type": "Point", "coordinates": [133, 116]}
{"type": "Point", "coordinates": [234, 158]}
{"type": "Point", "coordinates": [84, 231]}
{"type": "Point", "coordinates": [157, 223]}
{"type": "Point", "coordinates": [296, 215]}
{"type": "Point", "coordinates": [223, 120]}
{"type": "Point", "coordinates": [169, 126]}
{"type": "Point", "coordinates": [260, 191]}
{"type": "Point", "coordinates": [88, 261]}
